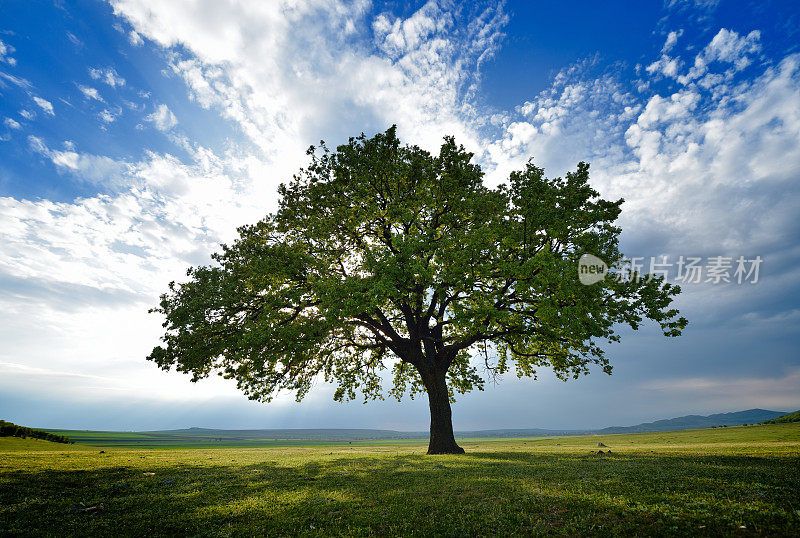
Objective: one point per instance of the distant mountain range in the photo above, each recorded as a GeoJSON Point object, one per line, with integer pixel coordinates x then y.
{"type": "Point", "coordinates": [751, 416]}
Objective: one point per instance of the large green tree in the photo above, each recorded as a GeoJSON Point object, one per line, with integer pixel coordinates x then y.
{"type": "Point", "coordinates": [384, 256]}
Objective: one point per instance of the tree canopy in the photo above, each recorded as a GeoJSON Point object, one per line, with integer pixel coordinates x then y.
{"type": "Point", "coordinates": [382, 256]}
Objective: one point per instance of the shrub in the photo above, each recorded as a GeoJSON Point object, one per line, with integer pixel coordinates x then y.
{"type": "Point", "coordinates": [9, 429]}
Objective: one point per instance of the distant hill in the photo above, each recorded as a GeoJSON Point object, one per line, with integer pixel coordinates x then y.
{"type": "Point", "coordinates": [751, 416]}
{"type": "Point", "coordinates": [791, 417]}
{"type": "Point", "coordinates": [284, 437]}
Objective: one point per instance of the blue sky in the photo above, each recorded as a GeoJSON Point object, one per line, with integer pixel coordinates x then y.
{"type": "Point", "coordinates": [136, 135]}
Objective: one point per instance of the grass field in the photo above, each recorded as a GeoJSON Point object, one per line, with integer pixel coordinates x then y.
{"type": "Point", "coordinates": [209, 439]}
{"type": "Point", "coordinates": [742, 480]}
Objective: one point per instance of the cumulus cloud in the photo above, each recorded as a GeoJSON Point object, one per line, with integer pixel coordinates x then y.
{"type": "Point", "coordinates": [135, 39]}
{"type": "Point", "coordinates": [109, 116]}
{"type": "Point", "coordinates": [709, 156]}
{"type": "Point", "coordinates": [727, 47]}
{"type": "Point", "coordinates": [95, 169]}
{"type": "Point", "coordinates": [45, 105]}
{"type": "Point", "coordinates": [666, 66]}
{"type": "Point", "coordinates": [162, 118]}
{"type": "Point", "coordinates": [287, 72]}
{"type": "Point", "coordinates": [108, 75]}
{"type": "Point", "coordinates": [11, 123]}
{"type": "Point", "coordinates": [5, 54]}
{"type": "Point", "coordinates": [90, 93]}
{"type": "Point", "coordinates": [564, 124]}
{"type": "Point", "coordinates": [672, 39]}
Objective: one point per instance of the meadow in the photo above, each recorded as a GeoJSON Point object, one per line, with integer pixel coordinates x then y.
{"type": "Point", "coordinates": [724, 481]}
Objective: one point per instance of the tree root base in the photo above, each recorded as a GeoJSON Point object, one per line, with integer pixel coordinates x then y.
{"type": "Point", "coordinates": [449, 450]}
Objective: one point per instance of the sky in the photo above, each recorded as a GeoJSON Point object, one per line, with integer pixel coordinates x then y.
{"type": "Point", "coordinates": [136, 135]}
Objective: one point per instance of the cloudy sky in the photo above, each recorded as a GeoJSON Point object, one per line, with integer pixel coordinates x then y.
{"type": "Point", "coordinates": [136, 135]}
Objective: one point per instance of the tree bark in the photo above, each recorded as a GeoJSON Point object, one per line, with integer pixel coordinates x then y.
{"type": "Point", "coordinates": [442, 440]}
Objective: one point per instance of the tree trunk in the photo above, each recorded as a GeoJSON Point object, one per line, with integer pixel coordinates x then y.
{"type": "Point", "coordinates": [442, 440]}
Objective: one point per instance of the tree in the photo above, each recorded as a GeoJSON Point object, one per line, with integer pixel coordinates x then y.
{"type": "Point", "coordinates": [382, 255]}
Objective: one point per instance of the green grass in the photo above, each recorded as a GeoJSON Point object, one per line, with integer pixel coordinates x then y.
{"type": "Point", "coordinates": [729, 481]}
{"type": "Point", "coordinates": [188, 440]}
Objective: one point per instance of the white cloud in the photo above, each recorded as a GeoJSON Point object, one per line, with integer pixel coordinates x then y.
{"type": "Point", "coordinates": [700, 4]}
{"type": "Point", "coordinates": [726, 47]}
{"type": "Point", "coordinates": [87, 271]}
{"type": "Point", "coordinates": [162, 118]}
{"type": "Point", "coordinates": [94, 169]}
{"type": "Point", "coordinates": [287, 72]}
{"type": "Point", "coordinates": [45, 105]}
{"type": "Point", "coordinates": [672, 39]}
{"type": "Point", "coordinates": [90, 93]}
{"type": "Point", "coordinates": [17, 81]}
{"type": "Point", "coordinates": [576, 119]}
{"type": "Point", "coordinates": [135, 39]}
{"type": "Point", "coordinates": [5, 52]}
{"type": "Point", "coordinates": [11, 123]}
{"type": "Point", "coordinates": [666, 66]}
{"type": "Point", "coordinates": [107, 75]}
{"type": "Point", "coordinates": [74, 40]}
{"type": "Point", "coordinates": [109, 116]}
{"type": "Point", "coordinates": [711, 163]}
{"type": "Point", "coordinates": [679, 105]}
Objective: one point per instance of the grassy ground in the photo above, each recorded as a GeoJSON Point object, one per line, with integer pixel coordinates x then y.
{"type": "Point", "coordinates": [701, 482]}
{"type": "Point", "coordinates": [205, 440]}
